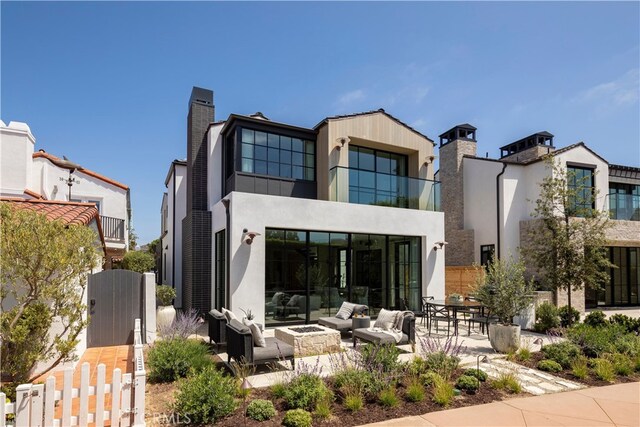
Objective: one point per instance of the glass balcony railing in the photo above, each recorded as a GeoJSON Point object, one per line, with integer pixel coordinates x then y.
{"type": "Point", "coordinates": [381, 189]}
{"type": "Point", "coordinates": [624, 207]}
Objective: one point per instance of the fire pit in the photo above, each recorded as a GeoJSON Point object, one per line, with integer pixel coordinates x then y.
{"type": "Point", "coordinates": [310, 340]}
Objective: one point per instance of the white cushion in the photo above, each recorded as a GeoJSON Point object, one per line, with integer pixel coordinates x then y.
{"type": "Point", "coordinates": [256, 333]}
{"type": "Point", "coordinates": [277, 298]}
{"type": "Point", "coordinates": [229, 314]}
{"type": "Point", "coordinates": [293, 301]}
{"type": "Point", "coordinates": [386, 319]}
{"type": "Point", "coordinates": [346, 309]}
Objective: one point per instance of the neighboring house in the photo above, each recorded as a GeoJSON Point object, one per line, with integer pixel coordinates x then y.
{"type": "Point", "coordinates": [289, 221]}
{"type": "Point", "coordinates": [28, 174]}
{"type": "Point", "coordinates": [489, 202]}
{"type": "Point", "coordinates": [69, 213]}
{"type": "Point", "coordinates": [174, 207]}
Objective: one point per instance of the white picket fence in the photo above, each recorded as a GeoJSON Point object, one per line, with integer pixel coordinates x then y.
{"type": "Point", "coordinates": [35, 403]}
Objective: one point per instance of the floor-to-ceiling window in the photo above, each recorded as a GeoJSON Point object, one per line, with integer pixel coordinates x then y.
{"type": "Point", "coordinates": [624, 285]}
{"type": "Point", "coordinates": [310, 273]}
{"type": "Point", "coordinates": [581, 183]}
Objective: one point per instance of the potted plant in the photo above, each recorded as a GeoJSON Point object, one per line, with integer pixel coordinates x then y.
{"type": "Point", "coordinates": [504, 292]}
{"type": "Point", "coordinates": [456, 297]}
{"type": "Point", "coordinates": [165, 314]}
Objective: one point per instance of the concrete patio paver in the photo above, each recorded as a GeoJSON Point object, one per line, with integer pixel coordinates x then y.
{"type": "Point", "coordinates": [616, 405]}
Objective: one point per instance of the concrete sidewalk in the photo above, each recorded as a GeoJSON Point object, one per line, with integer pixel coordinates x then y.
{"type": "Point", "coordinates": [615, 405]}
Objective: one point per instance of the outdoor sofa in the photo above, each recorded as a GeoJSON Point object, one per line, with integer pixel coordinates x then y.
{"type": "Point", "coordinates": [369, 336]}
{"type": "Point", "coordinates": [240, 347]}
{"type": "Point", "coordinates": [343, 325]}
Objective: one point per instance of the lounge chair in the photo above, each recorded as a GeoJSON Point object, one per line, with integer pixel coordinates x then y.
{"type": "Point", "coordinates": [217, 327]}
{"type": "Point", "coordinates": [240, 347]}
{"type": "Point", "coordinates": [343, 325]}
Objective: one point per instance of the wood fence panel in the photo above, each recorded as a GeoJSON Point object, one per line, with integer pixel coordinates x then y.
{"type": "Point", "coordinates": [460, 280]}
{"type": "Point", "coordinates": [99, 418]}
{"type": "Point", "coordinates": [83, 415]}
{"type": "Point", "coordinates": [49, 400]}
{"type": "Point", "coordinates": [125, 418]}
{"type": "Point", "coordinates": [3, 410]}
{"type": "Point", "coordinates": [37, 400]}
{"type": "Point", "coordinates": [22, 405]}
{"type": "Point", "coordinates": [115, 397]}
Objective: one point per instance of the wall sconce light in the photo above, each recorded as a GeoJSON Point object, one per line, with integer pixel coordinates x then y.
{"type": "Point", "coordinates": [342, 140]}
{"type": "Point", "coordinates": [248, 236]}
{"type": "Point", "coordinates": [439, 245]}
{"type": "Point", "coordinates": [429, 160]}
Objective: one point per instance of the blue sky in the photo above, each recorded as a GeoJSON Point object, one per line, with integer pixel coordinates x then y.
{"type": "Point", "coordinates": [107, 84]}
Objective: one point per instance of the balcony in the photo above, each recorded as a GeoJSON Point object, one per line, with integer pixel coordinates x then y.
{"type": "Point", "coordinates": [113, 229]}
{"type": "Point", "coordinates": [625, 207]}
{"type": "Point", "coordinates": [381, 189]}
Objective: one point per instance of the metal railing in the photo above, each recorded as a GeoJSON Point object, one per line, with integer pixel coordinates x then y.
{"type": "Point", "coordinates": [624, 207]}
{"type": "Point", "coordinates": [113, 229]}
{"type": "Point", "coordinates": [381, 189]}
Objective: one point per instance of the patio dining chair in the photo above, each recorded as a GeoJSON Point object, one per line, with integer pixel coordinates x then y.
{"type": "Point", "coordinates": [439, 314]}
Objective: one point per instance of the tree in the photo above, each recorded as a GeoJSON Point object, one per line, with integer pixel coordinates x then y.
{"type": "Point", "coordinates": [152, 246]}
{"type": "Point", "coordinates": [568, 249]}
{"type": "Point", "coordinates": [43, 269]}
{"type": "Point", "coordinates": [138, 261]}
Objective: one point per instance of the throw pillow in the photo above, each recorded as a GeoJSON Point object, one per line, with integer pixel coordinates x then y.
{"type": "Point", "coordinates": [399, 320]}
{"type": "Point", "coordinates": [229, 315]}
{"type": "Point", "coordinates": [256, 333]}
{"type": "Point", "coordinates": [293, 301]}
{"type": "Point", "coordinates": [345, 310]}
{"type": "Point", "coordinates": [277, 298]}
{"type": "Point", "coordinates": [386, 319]}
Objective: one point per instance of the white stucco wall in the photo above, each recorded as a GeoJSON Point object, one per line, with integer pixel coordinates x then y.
{"type": "Point", "coordinates": [16, 149]}
{"type": "Point", "coordinates": [214, 170]}
{"type": "Point", "coordinates": [258, 212]}
{"type": "Point", "coordinates": [176, 212]}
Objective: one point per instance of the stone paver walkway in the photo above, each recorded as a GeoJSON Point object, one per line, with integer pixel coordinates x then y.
{"type": "Point", "coordinates": [616, 405]}
{"type": "Point", "coordinates": [532, 380]}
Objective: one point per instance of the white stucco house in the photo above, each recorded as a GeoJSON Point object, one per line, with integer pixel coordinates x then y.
{"type": "Point", "coordinates": [30, 174]}
{"type": "Point", "coordinates": [289, 221]}
{"type": "Point", "coordinates": [488, 204]}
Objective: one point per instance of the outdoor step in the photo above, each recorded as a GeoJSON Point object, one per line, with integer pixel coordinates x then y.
{"type": "Point", "coordinates": [533, 389]}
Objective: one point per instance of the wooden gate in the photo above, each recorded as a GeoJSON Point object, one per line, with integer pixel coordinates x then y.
{"type": "Point", "coordinates": [115, 300]}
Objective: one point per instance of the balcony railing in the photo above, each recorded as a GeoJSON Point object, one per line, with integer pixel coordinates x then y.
{"type": "Point", "coordinates": [381, 189]}
{"type": "Point", "coordinates": [624, 207]}
{"type": "Point", "coordinates": [113, 229]}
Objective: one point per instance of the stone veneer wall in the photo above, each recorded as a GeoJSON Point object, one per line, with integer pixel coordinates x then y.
{"type": "Point", "coordinates": [460, 250]}
{"type": "Point", "coordinates": [529, 154]}
{"type": "Point", "coordinates": [624, 233]}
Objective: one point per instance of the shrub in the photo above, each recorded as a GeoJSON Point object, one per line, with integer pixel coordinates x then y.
{"type": "Point", "coordinates": [596, 318]}
{"type": "Point", "coordinates": [562, 352]}
{"type": "Point", "coordinates": [523, 354]}
{"type": "Point", "coordinates": [361, 381]}
{"type": "Point", "coordinates": [568, 316]}
{"type": "Point", "coordinates": [507, 381]}
{"type": "Point", "coordinates": [629, 323]}
{"type": "Point", "coordinates": [549, 365]}
{"type": "Point", "coordinates": [297, 418]}
{"type": "Point", "coordinates": [478, 373]}
{"type": "Point", "coordinates": [205, 396]}
{"type": "Point", "coordinates": [353, 402]}
{"type": "Point", "coordinates": [442, 391]}
{"type": "Point", "coordinates": [383, 356]}
{"type": "Point", "coordinates": [441, 363]}
{"type": "Point", "coordinates": [468, 382]}
{"type": "Point", "coordinates": [595, 341]}
{"type": "Point", "coordinates": [417, 366]}
{"type": "Point", "coordinates": [173, 359]}
{"type": "Point", "coordinates": [636, 363]}
{"type": "Point", "coordinates": [579, 368]}
{"type": "Point", "coordinates": [261, 410]}
{"type": "Point", "coordinates": [305, 391]}
{"type": "Point", "coordinates": [165, 294]}
{"type": "Point", "coordinates": [628, 344]}
{"type": "Point", "coordinates": [415, 391]}
{"type": "Point", "coordinates": [184, 325]}
{"type": "Point", "coordinates": [622, 364]}
{"type": "Point", "coordinates": [546, 317]}
{"type": "Point", "coordinates": [277, 390]}
{"type": "Point", "coordinates": [388, 397]}
{"type": "Point", "coordinates": [428, 378]}
{"type": "Point", "coordinates": [138, 261]}
{"type": "Point", "coordinates": [603, 370]}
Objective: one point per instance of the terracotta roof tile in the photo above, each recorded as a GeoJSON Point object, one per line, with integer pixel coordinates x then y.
{"type": "Point", "coordinates": [67, 212]}
{"type": "Point", "coordinates": [53, 159]}
{"type": "Point", "coordinates": [33, 194]}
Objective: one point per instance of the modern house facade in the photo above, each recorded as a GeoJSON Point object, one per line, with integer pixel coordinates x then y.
{"type": "Point", "coordinates": [288, 221]}
{"type": "Point", "coordinates": [489, 204]}
{"type": "Point", "coordinates": [29, 174]}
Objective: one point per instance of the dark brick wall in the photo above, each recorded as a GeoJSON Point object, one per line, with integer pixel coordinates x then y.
{"type": "Point", "coordinates": [196, 226]}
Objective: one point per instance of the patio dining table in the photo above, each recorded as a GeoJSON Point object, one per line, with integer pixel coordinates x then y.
{"type": "Point", "coordinates": [454, 306]}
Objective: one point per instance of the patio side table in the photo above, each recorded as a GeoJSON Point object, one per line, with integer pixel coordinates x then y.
{"type": "Point", "coordinates": [360, 322]}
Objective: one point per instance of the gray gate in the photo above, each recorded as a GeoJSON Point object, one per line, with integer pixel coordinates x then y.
{"type": "Point", "coordinates": [114, 302]}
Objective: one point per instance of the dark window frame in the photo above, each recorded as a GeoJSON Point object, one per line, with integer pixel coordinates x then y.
{"type": "Point", "coordinates": [580, 209]}
{"type": "Point", "coordinates": [487, 252]}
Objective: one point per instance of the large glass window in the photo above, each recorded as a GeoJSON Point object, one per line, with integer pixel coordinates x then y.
{"type": "Point", "coordinates": [309, 274]}
{"type": "Point", "coordinates": [267, 153]}
{"type": "Point", "coordinates": [624, 201]}
{"type": "Point", "coordinates": [377, 177]}
{"type": "Point", "coordinates": [580, 181]}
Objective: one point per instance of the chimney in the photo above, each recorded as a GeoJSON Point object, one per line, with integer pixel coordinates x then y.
{"type": "Point", "coordinates": [454, 145]}
{"type": "Point", "coordinates": [196, 226]}
{"type": "Point", "coordinates": [529, 148]}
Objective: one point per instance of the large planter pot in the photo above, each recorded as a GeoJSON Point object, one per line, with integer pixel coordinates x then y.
{"type": "Point", "coordinates": [504, 338]}
{"type": "Point", "coordinates": [526, 318]}
{"type": "Point", "coordinates": [165, 315]}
